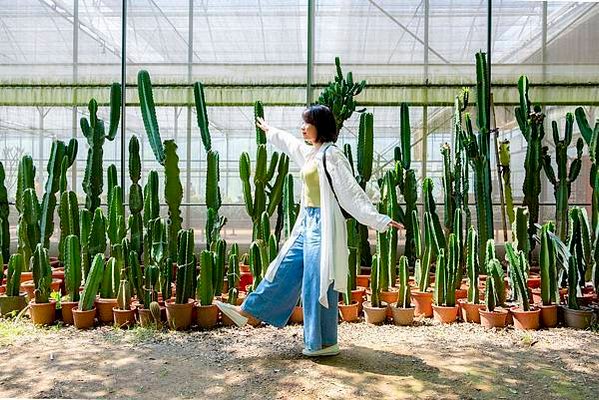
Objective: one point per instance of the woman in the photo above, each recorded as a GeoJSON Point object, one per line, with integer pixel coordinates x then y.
{"type": "Point", "coordinates": [314, 259]}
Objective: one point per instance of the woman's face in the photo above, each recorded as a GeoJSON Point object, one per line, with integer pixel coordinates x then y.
{"type": "Point", "coordinates": [309, 133]}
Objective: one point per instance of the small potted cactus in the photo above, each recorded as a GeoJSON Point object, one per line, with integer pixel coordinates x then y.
{"type": "Point", "coordinates": [233, 296]}
{"type": "Point", "coordinates": [471, 306]}
{"type": "Point", "coordinates": [422, 297]}
{"type": "Point", "coordinates": [403, 311]}
{"type": "Point", "coordinates": [41, 308]}
{"type": "Point", "coordinates": [445, 309]}
{"type": "Point", "coordinates": [549, 279]}
{"type": "Point", "coordinates": [493, 316]}
{"type": "Point", "coordinates": [85, 313]}
{"type": "Point", "coordinates": [375, 310]}
{"type": "Point", "coordinates": [148, 295]}
{"type": "Point", "coordinates": [13, 300]}
{"type": "Point", "coordinates": [124, 313]}
{"type": "Point", "coordinates": [524, 316]}
{"type": "Point", "coordinates": [178, 310]}
{"type": "Point", "coordinates": [207, 312]}
{"type": "Point", "coordinates": [107, 300]}
{"type": "Point", "coordinates": [73, 271]}
{"type": "Point", "coordinates": [349, 308]}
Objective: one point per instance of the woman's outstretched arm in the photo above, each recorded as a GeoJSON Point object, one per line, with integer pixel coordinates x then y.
{"type": "Point", "coordinates": [285, 141]}
{"type": "Point", "coordinates": [351, 196]}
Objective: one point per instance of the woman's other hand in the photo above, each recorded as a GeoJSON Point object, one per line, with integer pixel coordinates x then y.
{"type": "Point", "coordinates": [262, 124]}
{"type": "Point", "coordinates": [395, 224]}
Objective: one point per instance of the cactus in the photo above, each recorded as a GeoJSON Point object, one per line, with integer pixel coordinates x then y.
{"type": "Point", "coordinates": [160, 255]}
{"type": "Point", "coordinates": [42, 273]}
{"type": "Point", "coordinates": [13, 274]}
{"type": "Point", "coordinates": [289, 206]}
{"type": "Point", "coordinates": [440, 279]}
{"type": "Point", "coordinates": [382, 244]}
{"type": "Point", "coordinates": [205, 291]}
{"type": "Point", "coordinates": [69, 219]}
{"type": "Point", "coordinates": [136, 201]}
{"type": "Point", "coordinates": [353, 245]}
{"type": "Point", "coordinates": [391, 207]}
{"type": "Point", "coordinates": [504, 162]}
{"type": "Point", "coordinates": [97, 234]}
{"type": "Point", "coordinates": [150, 283]}
{"type": "Point", "coordinates": [220, 254]}
{"type": "Point", "coordinates": [562, 185]}
{"type": "Point", "coordinates": [72, 267]}
{"type": "Point", "coordinates": [530, 120]}
{"type": "Point", "coordinates": [85, 224]}
{"type": "Point", "coordinates": [116, 229]}
{"type": "Point", "coordinates": [135, 274]}
{"type": "Point", "coordinates": [518, 272]}
{"type": "Point", "coordinates": [461, 171]}
{"type": "Point", "coordinates": [591, 137]}
{"type": "Point", "coordinates": [92, 283]}
{"type": "Point", "coordinates": [446, 273]}
{"type": "Point", "coordinates": [25, 180]}
{"type": "Point", "coordinates": [151, 202]}
{"type": "Point", "coordinates": [148, 113]}
{"type": "Point", "coordinates": [472, 266]}
{"type": "Point", "coordinates": [430, 250]}
{"type": "Point", "coordinates": [214, 222]}
{"type": "Point", "coordinates": [259, 113]}
{"type": "Point", "coordinates": [495, 289]}
{"type": "Point", "coordinates": [403, 299]}
{"type": "Point", "coordinates": [449, 203]}
{"type": "Point", "coordinates": [66, 163]}
{"type": "Point", "coordinates": [202, 115]}
{"type": "Point", "coordinates": [94, 131]}
{"type": "Point", "coordinates": [4, 212]}
{"type": "Point", "coordinates": [186, 272]}
{"type": "Point", "coordinates": [233, 276]}
{"type": "Point", "coordinates": [573, 285]}
{"type": "Point", "coordinates": [123, 296]}
{"type": "Point", "coordinates": [339, 95]}
{"type": "Point", "coordinates": [430, 207]}
{"type": "Point", "coordinates": [29, 229]}
{"type": "Point", "coordinates": [375, 289]}
{"type": "Point", "coordinates": [580, 245]}
{"type": "Point", "coordinates": [547, 264]}
{"type": "Point", "coordinates": [520, 230]}
{"type": "Point", "coordinates": [173, 193]}
{"type": "Point", "coordinates": [107, 287]}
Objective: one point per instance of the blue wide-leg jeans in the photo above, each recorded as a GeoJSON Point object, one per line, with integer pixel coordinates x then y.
{"type": "Point", "coordinates": [299, 272]}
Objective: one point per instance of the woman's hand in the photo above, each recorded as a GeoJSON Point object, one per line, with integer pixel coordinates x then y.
{"type": "Point", "coordinates": [262, 124]}
{"type": "Point", "coordinates": [395, 225]}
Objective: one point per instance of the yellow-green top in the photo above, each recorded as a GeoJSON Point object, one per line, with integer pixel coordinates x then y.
{"type": "Point", "coordinates": [309, 175]}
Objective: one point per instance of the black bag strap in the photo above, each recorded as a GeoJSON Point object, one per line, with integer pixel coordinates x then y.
{"type": "Point", "coordinates": [324, 163]}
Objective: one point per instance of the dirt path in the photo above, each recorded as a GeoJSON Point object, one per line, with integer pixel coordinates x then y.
{"type": "Point", "coordinates": [462, 361]}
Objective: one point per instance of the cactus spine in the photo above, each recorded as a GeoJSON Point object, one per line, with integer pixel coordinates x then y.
{"type": "Point", "coordinates": [562, 185]}
{"type": "Point", "coordinates": [92, 283]}
{"type": "Point", "coordinates": [72, 267]}
{"type": "Point", "coordinates": [94, 131]}
{"type": "Point", "coordinates": [136, 201]}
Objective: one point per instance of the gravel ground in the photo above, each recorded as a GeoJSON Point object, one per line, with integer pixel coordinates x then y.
{"type": "Point", "coordinates": [460, 361]}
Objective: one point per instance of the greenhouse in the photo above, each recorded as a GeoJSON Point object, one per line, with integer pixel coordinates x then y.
{"type": "Point", "coordinates": [299, 199]}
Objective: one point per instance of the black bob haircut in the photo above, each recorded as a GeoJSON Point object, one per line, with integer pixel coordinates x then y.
{"type": "Point", "coordinates": [323, 119]}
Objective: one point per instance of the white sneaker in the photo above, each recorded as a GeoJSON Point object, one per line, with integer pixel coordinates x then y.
{"type": "Point", "coordinates": [327, 351]}
{"type": "Point", "coordinates": [230, 311]}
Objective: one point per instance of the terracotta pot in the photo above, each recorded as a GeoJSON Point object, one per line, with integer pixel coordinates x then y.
{"type": "Point", "coordinates": [578, 319]}
{"type": "Point", "coordinates": [58, 273]}
{"type": "Point", "coordinates": [375, 315]}
{"type": "Point", "coordinates": [244, 268]}
{"type": "Point", "coordinates": [26, 276]}
{"type": "Point", "coordinates": [124, 318]}
{"type": "Point", "coordinates": [461, 294]}
{"type": "Point", "coordinates": [470, 312]}
{"type": "Point", "coordinates": [2, 289]}
{"type": "Point", "coordinates": [526, 320]}
{"type": "Point", "coordinates": [445, 315]}
{"type": "Point", "coordinates": [389, 297]}
{"type": "Point", "coordinates": [42, 313]}
{"type": "Point", "coordinates": [145, 318]}
{"type": "Point", "coordinates": [83, 319]}
{"type": "Point", "coordinates": [423, 303]}
{"type": "Point", "coordinates": [363, 280]}
{"type": "Point", "coordinates": [207, 316]}
{"type": "Point", "coordinates": [29, 287]}
{"type": "Point", "coordinates": [402, 316]}
{"type": "Point", "coordinates": [297, 316]}
{"type": "Point", "coordinates": [349, 312]}
{"type": "Point", "coordinates": [67, 311]}
{"type": "Point", "coordinates": [179, 315]}
{"type": "Point", "coordinates": [493, 319]}
{"type": "Point", "coordinates": [548, 315]}
{"type": "Point", "coordinates": [534, 281]}
{"type": "Point", "coordinates": [240, 298]}
{"type": "Point", "coordinates": [535, 295]}
{"type": "Point", "coordinates": [104, 309]}
{"type": "Point", "coordinates": [9, 304]}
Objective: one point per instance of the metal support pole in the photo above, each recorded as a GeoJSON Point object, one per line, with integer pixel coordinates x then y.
{"type": "Point", "coordinates": [123, 91]}
{"type": "Point", "coordinates": [424, 142]}
{"type": "Point", "coordinates": [189, 98]}
{"type": "Point", "coordinates": [310, 55]}
{"type": "Point", "coordinates": [74, 125]}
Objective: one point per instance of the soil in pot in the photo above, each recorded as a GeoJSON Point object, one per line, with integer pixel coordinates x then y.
{"type": "Point", "coordinates": [104, 309]}
{"type": "Point", "coordinates": [42, 313]}
{"type": "Point", "coordinates": [374, 315]}
{"type": "Point", "coordinates": [548, 317]}
{"type": "Point", "coordinates": [423, 303]}
{"type": "Point", "coordinates": [9, 304]}
{"type": "Point", "coordinates": [67, 311]}
{"type": "Point", "coordinates": [578, 319]}
{"type": "Point", "coordinates": [526, 320]}
{"type": "Point", "coordinates": [297, 316]}
{"type": "Point", "coordinates": [349, 312]}
{"type": "Point", "coordinates": [207, 316]}
{"type": "Point", "coordinates": [470, 312]}
{"type": "Point", "coordinates": [445, 315]}
{"type": "Point", "coordinates": [83, 319]}
{"type": "Point", "coordinates": [493, 319]}
{"type": "Point", "coordinates": [178, 316]}
{"type": "Point", "coordinates": [124, 318]}
{"type": "Point", "coordinates": [402, 316]}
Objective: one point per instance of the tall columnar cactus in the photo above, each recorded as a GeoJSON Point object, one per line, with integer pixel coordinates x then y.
{"type": "Point", "coordinates": [72, 267]}
{"type": "Point", "coordinates": [205, 292]}
{"type": "Point", "coordinates": [186, 272]}
{"type": "Point", "coordinates": [135, 275]}
{"type": "Point", "coordinates": [85, 225]}
{"type": "Point", "coordinates": [13, 274]}
{"type": "Point", "coordinates": [530, 120]}
{"type": "Point", "coordinates": [403, 299]}
{"type": "Point", "coordinates": [430, 250]}
{"type": "Point", "coordinates": [160, 255]}
{"type": "Point", "coordinates": [68, 212]}
{"type": "Point", "coordinates": [339, 95]}
{"type": "Point", "coordinates": [202, 115]}
{"type": "Point", "coordinates": [151, 212]}
{"type": "Point", "coordinates": [4, 212]}
{"type": "Point", "coordinates": [116, 218]}
{"type": "Point", "coordinates": [449, 203]}
{"type": "Point", "coordinates": [148, 113]}
{"type": "Point", "coordinates": [136, 200]}
{"type": "Point", "coordinates": [173, 193]}
{"type": "Point", "coordinates": [108, 284]}
{"type": "Point", "coordinates": [562, 184]}
{"type": "Point", "coordinates": [353, 245]}
{"type": "Point", "coordinates": [472, 266]}
{"type": "Point", "coordinates": [97, 234]}
{"type": "Point", "coordinates": [580, 244]}
{"type": "Point", "coordinates": [259, 113]}
{"type": "Point", "coordinates": [219, 248]}
{"type": "Point", "coordinates": [151, 275]}
{"type": "Point", "coordinates": [94, 131]}
{"type": "Point", "coordinates": [430, 207]}
{"type": "Point", "coordinates": [214, 222]}
{"type": "Point", "coordinates": [520, 229]}
{"type": "Point", "coordinates": [92, 283]}
{"type": "Point", "coordinates": [233, 276]}
{"type": "Point", "coordinates": [289, 206]}
{"type": "Point", "coordinates": [29, 228]}
{"type": "Point", "coordinates": [504, 162]}
{"type": "Point", "coordinates": [518, 271]}
{"type": "Point", "coordinates": [123, 297]}
{"type": "Point", "coordinates": [25, 180]}
{"type": "Point", "coordinates": [390, 206]}
{"type": "Point", "coordinates": [375, 282]}
{"type": "Point", "coordinates": [461, 170]}
{"type": "Point", "coordinates": [382, 247]}
{"type": "Point", "coordinates": [42, 274]}
{"type": "Point", "coordinates": [495, 286]}
{"type": "Point", "coordinates": [547, 264]}
{"type": "Point", "coordinates": [573, 284]}
{"type": "Point", "coordinates": [591, 137]}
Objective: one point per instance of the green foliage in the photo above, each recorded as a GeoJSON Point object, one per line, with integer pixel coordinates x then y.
{"type": "Point", "coordinates": [28, 230]}
{"type": "Point", "coordinates": [135, 274]}
{"type": "Point", "coordinates": [220, 258]}
{"type": "Point", "coordinates": [430, 207]}
{"type": "Point", "coordinates": [116, 217]}
{"type": "Point", "coordinates": [289, 206]}
{"type": "Point", "coordinates": [97, 234]}
{"type": "Point", "coordinates": [69, 219]}
{"type": "Point", "coordinates": [85, 224]}
{"type": "Point", "coordinates": [580, 244]}
{"type": "Point", "coordinates": [107, 287]}
{"type": "Point", "coordinates": [259, 113]}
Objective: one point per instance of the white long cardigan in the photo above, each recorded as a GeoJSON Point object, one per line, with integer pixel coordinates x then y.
{"type": "Point", "coordinates": [334, 252]}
